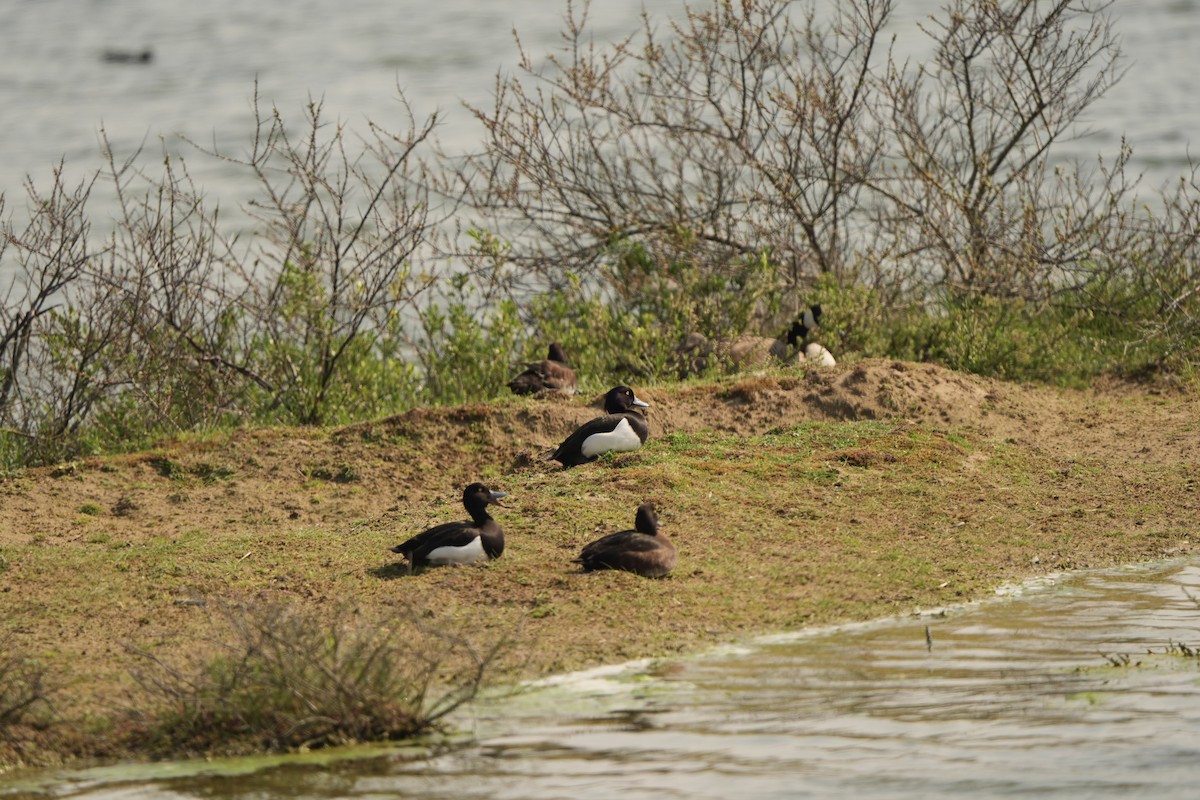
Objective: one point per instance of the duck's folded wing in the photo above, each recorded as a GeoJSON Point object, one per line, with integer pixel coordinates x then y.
{"type": "Point", "coordinates": [448, 534]}
{"type": "Point", "coordinates": [620, 542]}
{"type": "Point", "coordinates": [574, 442]}
{"type": "Point", "coordinates": [532, 380]}
{"type": "Point", "coordinates": [558, 382]}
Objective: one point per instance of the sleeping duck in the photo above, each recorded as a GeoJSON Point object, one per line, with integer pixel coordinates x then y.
{"type": "Point", "coordinates": [796, 340]}
{"type": "Point", "coordinates": [551, 374]}
{"type": "Point", "coordinates": [694, 354]}
{"type": "Point", "coordinates": [643, 550]}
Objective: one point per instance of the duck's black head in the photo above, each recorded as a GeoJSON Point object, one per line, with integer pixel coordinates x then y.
{"type": "Point", "coordinates": [477, 496]}
{"type": "Point", "coordinates": [621, 399]}
{"type": "Point", "coordinates": [557, 353]}
{"type": "Point", "coordinates": [804, 325]}
{"type": "Point", "coordinates": [646, 521]}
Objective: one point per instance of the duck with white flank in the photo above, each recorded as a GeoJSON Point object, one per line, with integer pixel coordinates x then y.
{"type": "Point", "coordinates": [644, 550]}
{"type": "Point", "coordinates": [817, 354]}
{"type": "Point", "coordinates": [796, 338]}
{"type": "Point", "coordinates": [803, 326]}
{"type": "Point", "coordinates": [696, 352]}
{"type": "Point", "coordinates": [620, 430]}
{"type": "Point", "coordinates": [551, 374]}
{"type": "Point", "coordinates": [466, 542]}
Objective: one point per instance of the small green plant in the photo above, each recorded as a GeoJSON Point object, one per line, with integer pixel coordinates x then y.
{"type": "Point", "coordinates": [91, 509]}
{"type": "Point", "coordinates": [335, 473]}
{"type": "Point", "coordinates": [167, 467]}
{"type": "Point", "coordinates": [1070, 339]}
{"type": "Point", "coordinates": [211, 473]}
{"type": "Point", "coordinates": [467, 346]}
{"type": "Point", "coordinates": [1182, 650]}
{"type": "Point", "coordinates": [124, 506]}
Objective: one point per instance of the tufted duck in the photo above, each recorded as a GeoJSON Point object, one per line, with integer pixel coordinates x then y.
{"type": "Point", "coordinates": [464, 542]}
{"type": "Point", "coordinates": [620, 430]}
{"type": "Point", "coordinates": [696, 352]}
{"type": "Point", "coordinates": [645, 550]}
{"type": "Point", "coordinates": [551, 374]}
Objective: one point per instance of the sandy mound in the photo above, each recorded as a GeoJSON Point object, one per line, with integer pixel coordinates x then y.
{"type": "Point", "coordinates": [389, 465]}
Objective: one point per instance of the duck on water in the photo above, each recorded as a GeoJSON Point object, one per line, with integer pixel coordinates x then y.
{"type": "Point", "coordinates": [478, 539]}
{"type": "Point", "coordinates": [620, 430]}
{"type": "Point", "coordinates": [553, 373]}
{"type": "Point", "coordinates": [643, 550]}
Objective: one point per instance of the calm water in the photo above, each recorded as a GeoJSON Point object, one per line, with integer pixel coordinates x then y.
{"type": "Point", "coordinates": [1014, 698]}
{"type": "Point", "coordinates": [56, 92]}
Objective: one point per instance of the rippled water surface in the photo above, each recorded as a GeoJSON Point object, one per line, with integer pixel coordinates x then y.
{"type": "Point", "coordinates": [1072, 690]}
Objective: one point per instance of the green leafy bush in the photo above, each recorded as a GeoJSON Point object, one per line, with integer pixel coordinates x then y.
{"type": "Point", "coordinates": [763, 156]}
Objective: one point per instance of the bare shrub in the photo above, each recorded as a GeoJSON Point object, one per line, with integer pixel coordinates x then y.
{"type": "Point", "coordinates": [173, 324]}
{"type": "Point", "coordinates": [786, 133]}
{"type": "Point", "coordinates": [50, 253]}
{"type": "Point", "coordinates": [738, 132]}
{"type": "Point", "coordinates": [22, 687]}
{"type": "Point", "coordinates": [972, 184]}
{"type": "Point", "coordinates": [275, 677]}
{"type": "Point", "coordinates": [1166, 271]}
{"type": "Point", "coordinates": [331, 274]}
{"type": "Point", "coordinates": [168, 263]}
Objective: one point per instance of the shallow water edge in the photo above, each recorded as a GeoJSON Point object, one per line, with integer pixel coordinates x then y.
{"type": "Point", "coordinates": [1002, 696]}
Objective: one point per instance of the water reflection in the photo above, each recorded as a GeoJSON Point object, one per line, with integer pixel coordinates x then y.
{"type": "Point", "coordinates": [1013, 698]}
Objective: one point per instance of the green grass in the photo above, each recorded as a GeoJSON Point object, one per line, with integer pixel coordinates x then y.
{"type": "Point", "coordinates": [212, 473]}
{"type": "Point", "coordinates": [801, 524]}
{"type": "Point", "coordinates": [1055, 342]}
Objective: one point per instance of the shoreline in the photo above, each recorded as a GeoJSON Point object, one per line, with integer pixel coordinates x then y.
{"type": "Point", "coordinates": [594, 686]}
{"type": "Point", "coordinates": [864, 492]}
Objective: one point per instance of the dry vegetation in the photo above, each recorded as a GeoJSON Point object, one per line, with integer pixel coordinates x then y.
{"type": "Point", "coordinates": [795, 498]}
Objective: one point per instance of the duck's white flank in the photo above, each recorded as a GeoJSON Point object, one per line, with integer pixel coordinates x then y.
{"type": "Point", "coordinates": [467, 554]}
{"type": "Point", "coordinates": [621, 439]}
{"type": "Point", "coordinates": [817, 353]}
